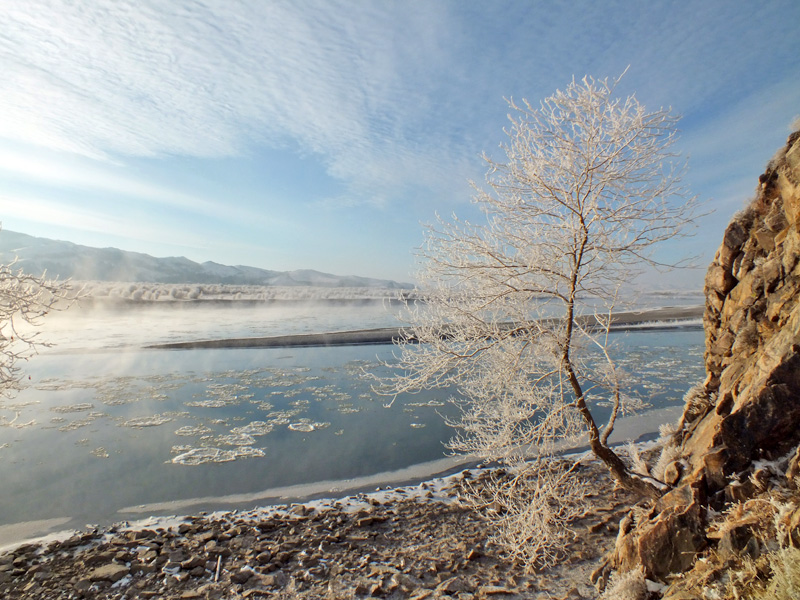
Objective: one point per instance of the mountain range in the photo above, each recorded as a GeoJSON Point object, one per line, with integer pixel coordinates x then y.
{"type": "Point", "coordinates": [67, 260]}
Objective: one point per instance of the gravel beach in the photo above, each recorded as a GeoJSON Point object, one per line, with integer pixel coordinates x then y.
{"type": "Point", "coordinates": [414, 542]}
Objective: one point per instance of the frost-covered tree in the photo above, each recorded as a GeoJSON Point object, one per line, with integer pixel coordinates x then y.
{"type": "Point", "coordinates": [24, 300]}
{"type": "Point", "coordinates": [516, 309]}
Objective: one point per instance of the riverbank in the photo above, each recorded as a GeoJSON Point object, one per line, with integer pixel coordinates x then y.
{"type": "Point", "coordinates": [648, 318]}
{"type": "Point", "coordinates": [415, 542]}
{"type": "Point", "coordinates": [639, 428]}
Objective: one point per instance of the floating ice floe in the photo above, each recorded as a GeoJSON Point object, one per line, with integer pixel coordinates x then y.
{"type": "Point", "coordinates": [302, 427]}
{"type": "Point", "coordinates": [100, 452]}
{"type": "Point", "coordinates": [77, 424]}
{"type": "Point", "coordinates": [428, 403]}
{"type": "Point", "coordinates": [207, 403]}
{"type": "Point", "coordinates": [235, 439]}
{"type": "Point", "coordinates": [305, 426]}
{"type": "Point", "coordinates": [190, 430]}
{"type": "Point", "coordinates": [151, 421]}
{"type": "Point", "coordinates": [254, 428]}
{"type": "Point", "coordinates": [199, 456]}
{"type": "Point", "coordinates": [71, 408]}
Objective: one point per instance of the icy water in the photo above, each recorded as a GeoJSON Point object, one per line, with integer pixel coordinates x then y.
{"type": "Point", "coordinates": [106, 429]}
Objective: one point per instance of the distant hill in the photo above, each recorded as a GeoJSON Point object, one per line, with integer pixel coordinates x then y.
{"type": "Point", "coordinates": [84, 263]}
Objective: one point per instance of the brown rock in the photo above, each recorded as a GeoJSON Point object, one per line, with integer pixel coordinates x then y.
{"type": "Point", "coordinates": [720, 279]}
{"type": "Point", "coordinates": [673, 472]}
{"type": "Point", "coordinates": [737, 541]}
{"type": "Point", "coordinates": [241, 576]}
{"type": "Point", "coordinates": [275, 580]}
{"type": "Point", "coordinates": [113, 573]}
{"type": "Point", "coordinates": [454, 585]}
{"type": "Point", "coordinates": [192, 562]}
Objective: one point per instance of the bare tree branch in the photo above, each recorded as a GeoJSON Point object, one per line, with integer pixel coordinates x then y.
{"type": "Point", "coordinates": [24, 301]}
{"type": "Point", "coordinates": [589, 186]}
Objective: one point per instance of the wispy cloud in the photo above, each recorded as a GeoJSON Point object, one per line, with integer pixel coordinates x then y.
{"type": "Point", "coordinates": [42, 210]}
{"type": "Point", "coordinates": [153, 79]}
{"type": "Point", "coordinates": [114, 181]}
{"type": "Point", "coordinates": [383, 94]}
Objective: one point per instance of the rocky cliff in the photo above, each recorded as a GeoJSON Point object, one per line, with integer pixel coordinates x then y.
{"type": "Point", "coordinates": [738, 438]}
{"type": "Point", "coordinates": [752, 325]}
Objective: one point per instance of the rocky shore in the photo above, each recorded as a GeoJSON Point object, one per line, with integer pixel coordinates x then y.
{"type": "Point", "coordinates": [409, 543]}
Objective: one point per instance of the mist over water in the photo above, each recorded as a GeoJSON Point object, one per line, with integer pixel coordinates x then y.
{"type": "Point", "coordinates": [137, 325]}
{"type": "Point", "coordinates": [105, 424]}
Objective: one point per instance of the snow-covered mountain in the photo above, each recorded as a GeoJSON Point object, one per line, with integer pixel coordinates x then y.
{"type": "Point", "coordinates": [68, 260]}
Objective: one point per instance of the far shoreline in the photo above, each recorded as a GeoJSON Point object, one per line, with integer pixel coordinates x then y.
{"type": "Point", "coordinates": [657, 318]}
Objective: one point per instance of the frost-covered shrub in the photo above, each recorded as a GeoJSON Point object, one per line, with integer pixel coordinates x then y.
{"type": "Point", "coordinates": [630, 585]}
{"type": "Point", "coordinates": [785, 582]}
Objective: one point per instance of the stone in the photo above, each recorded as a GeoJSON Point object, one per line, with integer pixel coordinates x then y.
{"type": "Point", "coordinates": [720, 280]}
{"type": "Point", "coordinates": [454, 585]}
{"type": "Point", "coordinates": [495, 590]}
{"type": "Point", "coordinates": [241, 576]}
{"type": "Point", "coordinates": [112, 572]}
{"type": "Point", "coordinates": [738, 540]}
{"type": "Point", "coordinates": [673, 472]}
{"type": "Point", "coordinates": [276, 580]}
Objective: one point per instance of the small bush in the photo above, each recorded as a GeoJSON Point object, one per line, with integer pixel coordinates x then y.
{"type": "Point", "coordinates": [630, 585]}
{"type": "Point", "coordinates": [785, 582]}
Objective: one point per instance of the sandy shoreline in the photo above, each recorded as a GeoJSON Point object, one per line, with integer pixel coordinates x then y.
{"type": "Point", "coordinates": [650, 318]}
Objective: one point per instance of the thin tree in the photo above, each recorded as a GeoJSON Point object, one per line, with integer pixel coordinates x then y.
{"type": "Point", "coordinates": [25, 299]}
{"type": "Point", "coordinates": [516, 310]}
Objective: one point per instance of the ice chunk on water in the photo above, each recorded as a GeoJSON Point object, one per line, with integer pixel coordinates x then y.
{"type": "Point", "coordinates": [70, 408]}
{"type": "Point", "coordinates": [100, 452]}
{"type": "Point", "coordinates": [77, 424]}
{"type": "Point", "coordinates": [303, 427]}
{"type": "Point", "coordinates": [254, 428]}
{"type": "Point", "coordinates": [199, 456]}
{"type": "Point", "coordinates": [151, 421]}
{"type": "Point", "coordinates": [235, 439]}
{"type": "Point", "coordinates": [193, 430]}
{"type": "Point", "coordinates": [206, 403]}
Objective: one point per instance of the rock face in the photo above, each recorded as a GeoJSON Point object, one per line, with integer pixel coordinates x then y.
{"type": "Point", "coordinates": [748, 407]}
{"type": "Point", "coordinates": [752, 325]}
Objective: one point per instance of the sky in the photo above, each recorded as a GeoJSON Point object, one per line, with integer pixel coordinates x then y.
{"type": "Point", "coordinates": [323, 134]}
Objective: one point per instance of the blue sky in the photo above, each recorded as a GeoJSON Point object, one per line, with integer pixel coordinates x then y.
{"type": "Point", "coordinates": [320, 134]}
